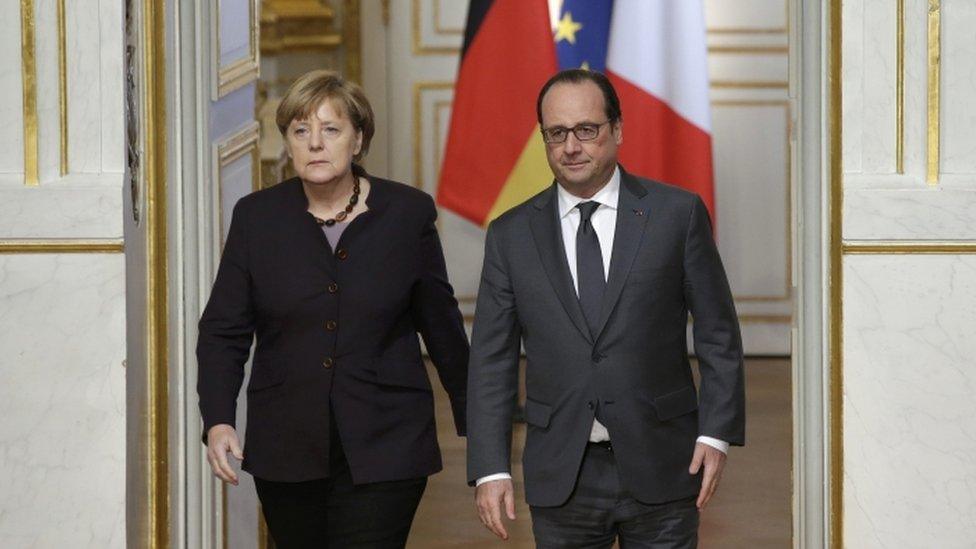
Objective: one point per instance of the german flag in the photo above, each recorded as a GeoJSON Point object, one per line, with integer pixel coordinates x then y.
{"type": "Point", "coordinates": [495, 158]}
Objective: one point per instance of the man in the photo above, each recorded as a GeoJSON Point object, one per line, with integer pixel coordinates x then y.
{"type": "Point", "coordinates": [596, 276]}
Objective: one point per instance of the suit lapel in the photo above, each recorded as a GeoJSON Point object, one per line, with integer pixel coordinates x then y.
{"type": "Point", "coordinates": [552, 252]}
{"type": "Point", "coordinates": [632, 214]}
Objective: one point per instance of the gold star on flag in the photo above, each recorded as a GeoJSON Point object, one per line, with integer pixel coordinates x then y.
{"type": "Point", "coordinates": [566, 30]}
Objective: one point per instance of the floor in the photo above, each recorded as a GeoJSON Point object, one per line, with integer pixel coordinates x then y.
{"type": "Point", "coordinates": [752, 508]}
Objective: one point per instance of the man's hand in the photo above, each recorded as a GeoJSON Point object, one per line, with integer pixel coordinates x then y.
{"type": "Point", "coordinates": [222, 439]}
{"type": "Point", "coordinates": [714, 461]}
{"type": "Point", "coordinates": [489, 498]}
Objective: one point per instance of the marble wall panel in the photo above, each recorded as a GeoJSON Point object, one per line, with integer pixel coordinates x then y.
{"type": "Point", "coordinates": [909, 381]}
{"type": "Point", "coordinates": [111, 27]}
{"type": "Point", "coordinates": [958, 84]}
{"type": "Point", "coordinates": [48, 99]}
{"type": "Point", "coordinates": [916, 88]}
{"type": "Point", "coordinates": [62, 440]}
{"type": "Point", "coordinates": [84, 87]}
{"type": "Point", "coordinates": [852, 76]}
{"type": "Point", "coordinates": [11, 90]}
{"type": "Point", "coordinates": [878, 97]}
{"type": "Point", "coordinates": [62, 212]}
{"type": "Point", "coordinates": [910, 214]}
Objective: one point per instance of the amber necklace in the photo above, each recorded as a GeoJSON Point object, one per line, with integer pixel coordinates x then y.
{"type": "Point", "coordinates": [341, 216]}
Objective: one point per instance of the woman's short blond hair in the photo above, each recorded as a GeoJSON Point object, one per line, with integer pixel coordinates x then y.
{"type": "Point", "coordinates": [306, 94]}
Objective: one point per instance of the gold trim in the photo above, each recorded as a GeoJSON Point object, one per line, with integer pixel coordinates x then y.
{"type": "Point", "coordinates": [297, 26]}
{"type": "Point", "coordinates": [237, 145]}
{"type": "Point", "coordinates": [788, 291]}
{"type": "Point", "coordinates": [418, 47]}
{"type": "Point", "coordinates": [243, 71]}
{"type": "Point", "coordinates": [437, 22]}
{"type": "Point", "coordinates": [905, 247]}
{"type": "Point", "coordinates": [748, 49]}
{"type": "Point", "coordinates": [749, 84]}
{"type": "Point", "coordinates": [29, 82]}
{"type": "Point", "coordinates": [63, 86]}
{"type": "Point", "coordinates": [835, 281]}
{"type": "Point", "coordinates": [418, 126]}
{"type": "Point", "coordinates": [154, 171]}
{"type": "Point", "coordinates": [900, 92]}
{"type": "Point", "coordinates": [934, 88]}
{"type": "Point", "coordinates": [351, 39]}
{"type": "Point", "coordinates": [61, 246]}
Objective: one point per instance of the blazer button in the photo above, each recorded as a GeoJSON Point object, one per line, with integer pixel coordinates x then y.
{"type": "Point", "coordinates": [342, 253]}
{"type": "Point", "coordinates": [597, 358]}
{"type": "Point", "coordinates": [328, 363]}
{"type": "Point", "coordinates": [330, 325]}
{"type": "Point", "coordinates": [333, 288]}
{"type": "Point", "coordinates": [589, 405]}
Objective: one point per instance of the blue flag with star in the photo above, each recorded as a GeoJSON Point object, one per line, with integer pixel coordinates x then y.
{"type": "Point", "coordinates": [582, 34]}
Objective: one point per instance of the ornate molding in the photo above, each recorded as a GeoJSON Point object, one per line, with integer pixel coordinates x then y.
{"type": "Point", "coordinates": [297, 25]}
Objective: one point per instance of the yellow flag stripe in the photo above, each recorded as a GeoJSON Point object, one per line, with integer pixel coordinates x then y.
{"type": "Point", "coordinates": [530, 175]}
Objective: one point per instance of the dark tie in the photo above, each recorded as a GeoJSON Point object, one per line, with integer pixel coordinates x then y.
{"type": "Point", "coordinates": [589, 267]}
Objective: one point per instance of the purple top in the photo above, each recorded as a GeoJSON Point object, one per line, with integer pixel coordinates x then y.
{"type": "Point", "coordinates": [334, 232]}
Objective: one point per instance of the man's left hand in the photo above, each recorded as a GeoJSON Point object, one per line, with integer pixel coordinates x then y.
{"type": "Point", "coordinates": [714, 461]}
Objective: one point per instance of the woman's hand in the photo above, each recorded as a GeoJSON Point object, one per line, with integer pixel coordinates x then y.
{"type": "Point", "coordinates": [222, 439]}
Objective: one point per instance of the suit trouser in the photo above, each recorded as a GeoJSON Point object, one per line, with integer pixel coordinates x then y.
{"type": "Point", "coordinates": [334, 512]}
{"type": "Point", "coordinates": [599, 510]}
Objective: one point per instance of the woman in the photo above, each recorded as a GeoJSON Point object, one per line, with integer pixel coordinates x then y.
{"type": "Point", "coordinates": [335, 272]}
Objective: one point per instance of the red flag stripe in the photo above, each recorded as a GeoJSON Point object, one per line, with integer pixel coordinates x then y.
{"type": "Point", "coordinates": [493, 113]}
{"type": "Point", "coordinates": [660, 144]}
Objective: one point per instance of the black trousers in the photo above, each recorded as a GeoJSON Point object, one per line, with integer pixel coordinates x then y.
{"type": "Point", "coordinates": [333, 512]}
{"type": "Point", "coordinates": [600, 511]}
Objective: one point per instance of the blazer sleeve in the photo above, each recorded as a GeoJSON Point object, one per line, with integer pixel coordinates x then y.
{"type": "Point", "coordinates": [438, 319]}
{"type": "Point", "coordinates": [718, 344]}
{"type": "Point", "coordinates": [493, 379]}
{"type": "Point", "coordinates": [226, 330]}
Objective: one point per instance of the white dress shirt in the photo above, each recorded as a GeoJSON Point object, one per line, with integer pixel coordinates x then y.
{"type": "Point", "coordinates": [604, 221]}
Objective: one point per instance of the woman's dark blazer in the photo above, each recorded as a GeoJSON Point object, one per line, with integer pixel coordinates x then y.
{"type": "Point", "coordinates": [336, 333]}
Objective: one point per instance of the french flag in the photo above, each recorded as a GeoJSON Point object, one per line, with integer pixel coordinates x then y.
{"type": "Point", "coordinates": [657, 61]}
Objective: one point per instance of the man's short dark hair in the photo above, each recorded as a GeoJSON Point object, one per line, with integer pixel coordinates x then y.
{"type": "Point", "coordinates": [611, 104]}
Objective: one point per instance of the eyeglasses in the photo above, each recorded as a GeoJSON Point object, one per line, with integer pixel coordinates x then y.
{"type": "Point", "coordinates": [583, 132]}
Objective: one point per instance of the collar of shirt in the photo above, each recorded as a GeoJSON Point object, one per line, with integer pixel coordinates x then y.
{"type": "Point", "coordinates": [607, 196]}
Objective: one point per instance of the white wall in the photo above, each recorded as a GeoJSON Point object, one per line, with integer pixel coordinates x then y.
{"type": "Point", "coordinates": [909, 358]}
{"type": "Point", "coordinates": [62, 310]}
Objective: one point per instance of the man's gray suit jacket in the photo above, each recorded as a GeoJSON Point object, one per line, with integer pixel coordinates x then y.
{"type": "Point", "coordinates": [664, 265]}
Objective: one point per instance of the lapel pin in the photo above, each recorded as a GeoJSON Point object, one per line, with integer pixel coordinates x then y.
{"type": "Point", "coordinates": [639, 212]}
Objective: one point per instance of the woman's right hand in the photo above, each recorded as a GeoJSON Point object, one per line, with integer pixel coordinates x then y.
{"type": "Point", "coordinates": [221, 440]}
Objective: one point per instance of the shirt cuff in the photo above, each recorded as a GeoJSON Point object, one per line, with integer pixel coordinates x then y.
{"type": "Point", "coordinates": [489, 478]}
{"type": "Point", "coordinates": [719, 445]}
